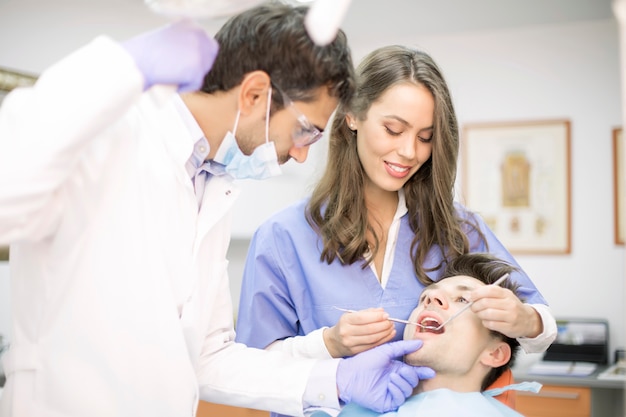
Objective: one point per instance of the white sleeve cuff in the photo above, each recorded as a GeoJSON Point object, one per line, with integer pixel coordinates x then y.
{"type": "Point", "coordinates": [544, 339]}
{"type": "Point", "coordinates": [320, 393]}
{"type": "Point", "coordinates": [311, 346]}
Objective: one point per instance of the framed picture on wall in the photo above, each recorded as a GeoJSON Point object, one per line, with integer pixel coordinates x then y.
{"type": "Point", "coordinates": [10, 79]}
{"type": "Point", "coordinates": [517, 177]}
{"type": "Point", "coordinates": [619, 182]}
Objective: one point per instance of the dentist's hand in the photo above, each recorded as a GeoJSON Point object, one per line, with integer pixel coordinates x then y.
{"type": "Point", "coordinates": [179, 54]}
{"type": "Point", "coordinates": [376, 380]}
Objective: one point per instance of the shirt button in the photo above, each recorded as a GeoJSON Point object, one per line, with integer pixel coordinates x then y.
{"type": "Point", "coordinates": [321, 397]}
{"type": "Point", "coordinates": [202, 149]}
{"type": "Point", "coordinates": [227, 192]}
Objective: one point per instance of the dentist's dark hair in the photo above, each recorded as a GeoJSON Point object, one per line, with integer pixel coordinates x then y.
{"type": "Point", "coordinates": [272, 37]}
{"type": "Point", "coordinates": [488, 269]}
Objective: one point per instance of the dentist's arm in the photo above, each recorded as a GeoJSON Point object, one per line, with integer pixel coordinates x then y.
{"type": "Point", "coordinates": [45, 129]}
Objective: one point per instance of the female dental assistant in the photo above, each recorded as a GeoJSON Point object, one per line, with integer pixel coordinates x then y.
{"type": "Point", "coordinates": [380, 226]}
{"type": "Point", "coordinates": [287, 291]}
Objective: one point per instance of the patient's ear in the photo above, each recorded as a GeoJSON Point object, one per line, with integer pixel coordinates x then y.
{"type": "Point", "coordinates": [496, 354]}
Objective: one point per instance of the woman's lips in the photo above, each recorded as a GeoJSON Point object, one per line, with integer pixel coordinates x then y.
{"type": "Point", "coordinates": [396, 170]}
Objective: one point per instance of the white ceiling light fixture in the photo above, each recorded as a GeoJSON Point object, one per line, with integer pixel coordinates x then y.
{"type": "Point", "coordinates": [200, 8]}
{"type": "Point", "coordinates": [324, 19]}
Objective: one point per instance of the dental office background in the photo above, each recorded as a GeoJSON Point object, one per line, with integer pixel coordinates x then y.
{"type": "Point", "coordinates": [515, 60]}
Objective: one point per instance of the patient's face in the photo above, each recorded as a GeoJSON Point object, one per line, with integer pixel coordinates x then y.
{"type": "Point", "coordinates": [455, 348]}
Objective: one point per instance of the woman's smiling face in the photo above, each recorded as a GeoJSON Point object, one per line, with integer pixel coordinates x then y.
{"type": "Point", "coordinates": [395, 139]}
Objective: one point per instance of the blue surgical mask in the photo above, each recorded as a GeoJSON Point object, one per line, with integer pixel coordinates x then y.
{"type": "Point", "coordinates": [261, 164]}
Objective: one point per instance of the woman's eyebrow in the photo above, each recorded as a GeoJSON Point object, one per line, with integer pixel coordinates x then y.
{"type": "Point", "coordinates": [405, 122]}
{"type": "Point", "coordinates": [398, 118]}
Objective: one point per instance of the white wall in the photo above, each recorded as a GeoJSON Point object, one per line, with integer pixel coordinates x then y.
{"type": "Point", "coordinates": [565, 71]}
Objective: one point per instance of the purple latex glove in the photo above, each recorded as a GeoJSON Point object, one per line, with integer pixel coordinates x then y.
{"type": "Point", "coordinates": [179, 54]}
{"type": "Point", "coordinates": [374, 379]}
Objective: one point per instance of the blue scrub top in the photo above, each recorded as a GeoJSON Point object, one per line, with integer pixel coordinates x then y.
{"type": "Point", "coordinates": [287, 291]}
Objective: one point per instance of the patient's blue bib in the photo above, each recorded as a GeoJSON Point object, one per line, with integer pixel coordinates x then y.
{"type": "Point", "coordinates": [447, 403]}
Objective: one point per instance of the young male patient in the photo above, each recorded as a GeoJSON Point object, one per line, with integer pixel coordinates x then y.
{"type": "Point", "coordinates": [466, 356]}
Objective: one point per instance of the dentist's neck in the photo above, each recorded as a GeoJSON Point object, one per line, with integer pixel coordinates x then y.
{"type": "Point", "coordinates": [215, 114]}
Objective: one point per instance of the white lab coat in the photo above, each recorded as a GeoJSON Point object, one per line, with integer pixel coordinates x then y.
{"type": "Point", "coordinates": [106, 240]}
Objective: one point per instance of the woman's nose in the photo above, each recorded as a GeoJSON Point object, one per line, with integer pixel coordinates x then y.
{"type": "Point", "coordinates": [407, 148]}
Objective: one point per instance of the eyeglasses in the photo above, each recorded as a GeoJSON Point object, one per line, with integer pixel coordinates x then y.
{"type": "Point", "coordinates": [306, 134]}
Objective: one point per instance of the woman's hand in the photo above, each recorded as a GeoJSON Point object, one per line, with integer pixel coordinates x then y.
{"type": "Point", "coordinates": [501, 310]}
{"type": "Point", "coordinates": [359, 331]}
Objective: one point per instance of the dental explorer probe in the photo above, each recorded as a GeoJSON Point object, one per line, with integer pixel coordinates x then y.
{"type": "Point", "coordinates": [497, 282]}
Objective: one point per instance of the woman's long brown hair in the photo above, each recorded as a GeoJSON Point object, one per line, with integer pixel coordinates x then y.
{"type": "Point", "coordinates": [337, 207]}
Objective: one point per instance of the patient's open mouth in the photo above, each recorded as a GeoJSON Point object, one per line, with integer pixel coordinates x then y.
{"type": "Point", "coordinates": [430, 325]}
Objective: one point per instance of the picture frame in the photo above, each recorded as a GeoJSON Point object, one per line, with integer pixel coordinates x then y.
{"type": "Point", "coordinates": [10, 79]}
{"type": "Point", "coordinates": [619, 182]}
{"type": "Point", "coordinates": [517, 177]}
